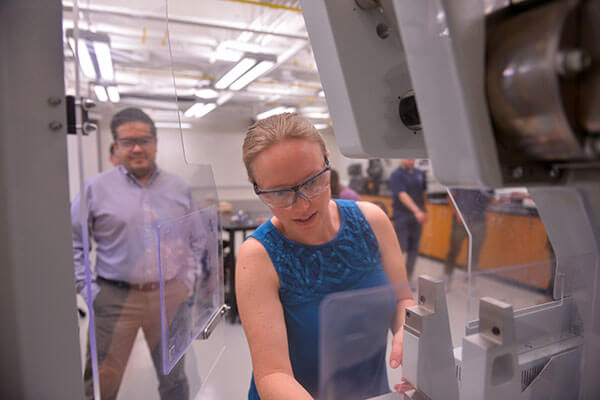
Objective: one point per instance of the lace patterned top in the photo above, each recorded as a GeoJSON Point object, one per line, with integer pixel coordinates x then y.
{"type": "Point", "coordinates": [308, 273]}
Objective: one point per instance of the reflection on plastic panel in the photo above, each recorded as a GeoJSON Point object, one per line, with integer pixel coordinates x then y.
{"type": "Point", "coordinates": [188, 250]}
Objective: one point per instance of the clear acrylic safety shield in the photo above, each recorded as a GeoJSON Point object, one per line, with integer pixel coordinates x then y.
{"type": "Point", "coordinates": [151, 263]}
{"type": "Point", "coordinates": [515, 340]}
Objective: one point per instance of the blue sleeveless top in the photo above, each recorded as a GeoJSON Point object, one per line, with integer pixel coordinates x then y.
{"type": "Point", "coordinates": [308, 273]}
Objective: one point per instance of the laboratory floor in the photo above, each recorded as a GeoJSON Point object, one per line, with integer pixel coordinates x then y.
{"type": "Point", "coordinates": [224, 366]}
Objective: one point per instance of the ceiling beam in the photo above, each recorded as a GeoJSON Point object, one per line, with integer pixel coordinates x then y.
{"type": "Point", "coordinates": [173, 20]}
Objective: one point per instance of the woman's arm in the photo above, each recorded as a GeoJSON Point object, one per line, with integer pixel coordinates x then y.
{"type": "Point", "coordinates": [261, 312]}
{"type": "Point", "coordinates": [395, 269]}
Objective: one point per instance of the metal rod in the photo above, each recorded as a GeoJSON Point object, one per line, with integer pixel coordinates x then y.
{"type": "Point", "coordinates": [183, 21]}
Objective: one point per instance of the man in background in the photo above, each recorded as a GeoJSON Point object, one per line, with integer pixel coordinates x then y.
{"type": "Point", "coordinates": [409, 187]}
{"type": "Point", "coordinates": [473, 204]}
{"type": "Point", "coordinates": [124, 205]}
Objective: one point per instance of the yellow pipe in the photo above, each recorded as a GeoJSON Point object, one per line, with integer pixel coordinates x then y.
{"type": "Point", "coordinates": [299, 85]}
{"type": "Point", "coordinates": [265, 4]}
{"type": "Point", "coordinates": [308, 100]}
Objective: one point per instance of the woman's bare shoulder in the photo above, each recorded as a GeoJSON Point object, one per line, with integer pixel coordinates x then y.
{"type": "Point", "coordinates": [373, 213]}
{"type": "Point", "coordinates": [253, 261]}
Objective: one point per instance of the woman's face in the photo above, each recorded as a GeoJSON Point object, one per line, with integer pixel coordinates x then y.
{"type": "Point", "coordinates": [287, 164]}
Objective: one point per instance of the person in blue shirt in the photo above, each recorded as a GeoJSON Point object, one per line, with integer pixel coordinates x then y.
{"type": "Point", "coordinates": [124, 204]}
{"type": "Point", "coordinates": [311, 247]}
{"type": "Point", "coordinates": [473, 204]}
{"type": "Point", "coordinates": [409, 190]}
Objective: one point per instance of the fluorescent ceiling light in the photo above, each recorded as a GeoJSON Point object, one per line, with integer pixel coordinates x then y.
{"type": "Point", "coordinates": [206, 93]}
{"type": "Point", "coordinates": [96, 61]}
{"type": "Point", "coordinates": [251, 75]}
{"type": "Point", "coordinates": [321, 126]}
{"type": "Point", "coordinates": [105, 63]}
{"type": "Point", "coordinates": [275, 111]}
{"type": "Point", "coordinates": [100, 93]}
{"type": "Point", "coordinates": [205, 110]}
{"type": "Point", "coordinates": [190, 112]}
{"type": "Point", "coordinates": [234, 73]}
{"type": "Point", "coordinates": [173, 125]}
{"type": "Point", "coordinates": [317, 115]}
{"type": "Point", "coordinates": [113, 94]}
{"type": "Point", "coordinates": [199, 110]}
{"type": "Point", "coordinates": [85, 59]}
{"type": "Point", "coordinates": [224, 98]}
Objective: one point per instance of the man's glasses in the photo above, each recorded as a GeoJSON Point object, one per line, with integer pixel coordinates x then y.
{"type": "Point", "coordinates": [142, 141]}
{"type": "Point", "coordinates": [311, 188]}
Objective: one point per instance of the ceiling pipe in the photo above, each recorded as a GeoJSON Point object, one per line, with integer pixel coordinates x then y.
{"type": "Point", "coordinates": [173, 20]}
{"type": "Point", "coordinates": [269, 5]}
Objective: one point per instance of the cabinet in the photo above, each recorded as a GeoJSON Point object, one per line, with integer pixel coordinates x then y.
{"type": "Point", "coordinates": [512, 240]}
{"type": "Point", "coordinates": [435, 239]}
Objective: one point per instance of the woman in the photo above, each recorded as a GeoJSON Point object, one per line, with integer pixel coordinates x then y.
{"type": "Point", "coordinates": [311, 247]}
{"type": "Point", "coordinates": [339, 191]}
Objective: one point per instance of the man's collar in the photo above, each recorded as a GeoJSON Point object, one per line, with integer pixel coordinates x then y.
{"type": "Point", "coordinates": [128, 174]}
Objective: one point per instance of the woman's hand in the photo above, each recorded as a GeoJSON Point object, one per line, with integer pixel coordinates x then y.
{"type": "Point", "coordinates": [396, 355]}
{"type": "Point", "coordinates": [403, 386]}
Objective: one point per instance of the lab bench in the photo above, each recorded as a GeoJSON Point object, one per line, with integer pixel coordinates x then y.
{"type": "Point", "coordinates": [515, 236]}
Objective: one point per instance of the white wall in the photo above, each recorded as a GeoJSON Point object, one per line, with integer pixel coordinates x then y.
{"type": "Point", "coordinates": [215, 139]}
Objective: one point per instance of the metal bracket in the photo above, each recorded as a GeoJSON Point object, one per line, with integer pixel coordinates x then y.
{"type": "Point", "coordinates": [214, 321]}
{"type": "Point", "coordinates": [86, 125]}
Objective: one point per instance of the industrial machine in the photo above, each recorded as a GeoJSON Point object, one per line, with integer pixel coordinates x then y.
{"type": "Point", "coordinates": [495, 94]}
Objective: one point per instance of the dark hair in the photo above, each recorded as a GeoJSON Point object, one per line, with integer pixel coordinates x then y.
{"type": "Point", "coordinates": [112, 149]}
{"type": "Point", "coordinates": [130, 114]}
{"type": "Point", "coordinates": [334, 182]}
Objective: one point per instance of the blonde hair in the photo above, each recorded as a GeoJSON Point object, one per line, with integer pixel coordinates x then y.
{"type": "Point", "coordinates": [275, 129]}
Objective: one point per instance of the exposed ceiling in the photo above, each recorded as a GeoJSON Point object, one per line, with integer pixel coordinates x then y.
{"type": "Point", "coordinates": [201, 41]}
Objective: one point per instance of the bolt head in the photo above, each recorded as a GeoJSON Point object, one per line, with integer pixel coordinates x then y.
{"type": "Point", "coordinates": [517, 172]}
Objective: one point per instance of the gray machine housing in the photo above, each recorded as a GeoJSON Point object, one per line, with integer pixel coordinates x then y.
{"type": "Point", "coordinates": [445, 46]}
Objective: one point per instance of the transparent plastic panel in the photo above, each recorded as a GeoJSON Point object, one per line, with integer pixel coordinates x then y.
{"type": "Point", "coordinates": [517, 339]}
{"type": "Point", "coordinates": [541, 345]}
{"type": "Point", "coordinates": [80, 145]}
{"type": "Point", "coordinates": [503, 228]}
{"type": "Point", "coordinates": [354, 337]}
{"type": "Point", "coordinates": [499, 229]}
{"type": "Point", "coordinates": [154, 231]}
{"type": "Point", "coordinates": [191, 286]}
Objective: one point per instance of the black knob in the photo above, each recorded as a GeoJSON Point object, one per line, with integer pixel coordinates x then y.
{"type": "Point", "coordinates": [408, 111]}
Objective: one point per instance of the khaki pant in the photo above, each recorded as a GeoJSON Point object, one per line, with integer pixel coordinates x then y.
{"type": "Point", "coordinates": [458, 233]}
{"type": "Point", "coordinates": [119, 313]}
